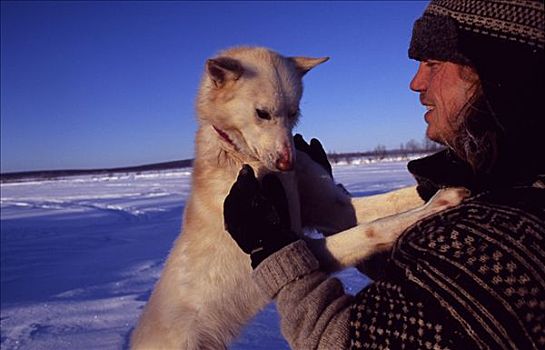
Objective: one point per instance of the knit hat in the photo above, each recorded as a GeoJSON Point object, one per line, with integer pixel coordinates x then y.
{"type": "Point", "coordinates": [437, 34]}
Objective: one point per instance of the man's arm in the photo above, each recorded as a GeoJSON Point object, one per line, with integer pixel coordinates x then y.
{"type": "Point", "coordinates": [314, 309]}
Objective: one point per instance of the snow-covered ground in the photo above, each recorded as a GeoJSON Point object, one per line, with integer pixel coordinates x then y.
{"type": "Point", "coordinates": [80, 255]}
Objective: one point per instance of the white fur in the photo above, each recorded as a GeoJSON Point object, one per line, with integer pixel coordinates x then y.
{"type": "Point", "coordinates": [205, 294]}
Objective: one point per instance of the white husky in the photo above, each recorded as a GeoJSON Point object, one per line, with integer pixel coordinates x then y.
{"type": "Point", "coordinates": [247, 105]}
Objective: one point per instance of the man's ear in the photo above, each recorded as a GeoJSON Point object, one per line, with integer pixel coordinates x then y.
{"type": "Point", "coordinates": [223, 69]}
{"type": "Point", "coordinates": [304, 64]}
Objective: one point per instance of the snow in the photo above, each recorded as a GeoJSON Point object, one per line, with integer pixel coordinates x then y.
{"type": "Point", "coordinates": [80, 255]}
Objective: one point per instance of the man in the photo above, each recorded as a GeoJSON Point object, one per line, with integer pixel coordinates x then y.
{"type": "Point", "coordinates": [472, 277]}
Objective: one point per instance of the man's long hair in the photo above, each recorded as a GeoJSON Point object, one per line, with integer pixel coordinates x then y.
{"type": "Point", "coordinates": [503, 131]}
{"type": "Point", "coordinates": [477, 133]}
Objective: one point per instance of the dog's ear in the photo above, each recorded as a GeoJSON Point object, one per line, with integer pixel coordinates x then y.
{"type": "Point", "coordinates": [223, 69]}
{"type": "Point", "coordinates": [304, 64]}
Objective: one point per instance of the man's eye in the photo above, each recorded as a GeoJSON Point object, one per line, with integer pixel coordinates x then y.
{"type": "Point", "coordinates": [432, 64]}
{"type": "Point", "coordinates": [263, 114]}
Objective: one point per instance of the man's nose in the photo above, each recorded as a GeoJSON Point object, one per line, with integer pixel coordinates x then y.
{"type": "Point", "coordinates": [419, 82]}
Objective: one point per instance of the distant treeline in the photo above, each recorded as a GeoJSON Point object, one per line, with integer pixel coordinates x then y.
{"type": "Point", "coordinates": [380, 152]}
{"type": "Point", "coordinates": [52, 174]}
{"type": "Point", "coordinates": [404, 151]}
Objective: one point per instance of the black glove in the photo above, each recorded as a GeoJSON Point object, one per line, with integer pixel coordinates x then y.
{"type": "Point", "coordinates": [315, 151]}
{"type": "Point", "coordinates": [257, 216]}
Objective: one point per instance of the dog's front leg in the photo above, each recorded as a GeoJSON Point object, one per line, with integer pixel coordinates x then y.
{"type": "Point", "coordinates": [355, 245]}
{"type": "Point", "coordinates": [378, 206]}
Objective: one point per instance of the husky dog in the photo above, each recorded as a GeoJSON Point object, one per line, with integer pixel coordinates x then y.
{"type": "Point", "coordinates": [247, 106]}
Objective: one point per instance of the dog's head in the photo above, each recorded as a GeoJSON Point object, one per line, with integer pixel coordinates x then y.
{"type": "Point", "coordinates": [250, 97]}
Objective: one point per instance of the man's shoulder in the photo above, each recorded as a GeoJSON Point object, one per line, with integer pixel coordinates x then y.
{"type": "Point", "coordinates": [505, 227]}
{"type": "Point", "coordinates": [527, 198]}
{"type": "Point", "coordinates": [486, 254]}
{"type": "Point", "coordinates": [506, 215]}
{"type": "Point", "coordinates": [504, 207]}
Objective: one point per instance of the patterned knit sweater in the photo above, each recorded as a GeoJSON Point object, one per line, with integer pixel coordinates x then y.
{"type": "Point", "coordinates": [471, 277]}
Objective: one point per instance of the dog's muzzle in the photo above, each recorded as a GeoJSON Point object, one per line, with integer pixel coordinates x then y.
{"type": "Point", "coordinates": [284, 162]}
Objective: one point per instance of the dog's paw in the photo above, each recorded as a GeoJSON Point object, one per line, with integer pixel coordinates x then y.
{"type": "Point", "coordinates": [447, 198]}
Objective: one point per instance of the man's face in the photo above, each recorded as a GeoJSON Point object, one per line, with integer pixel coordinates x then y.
{"type": "Point", "coordinates": [445, 89]}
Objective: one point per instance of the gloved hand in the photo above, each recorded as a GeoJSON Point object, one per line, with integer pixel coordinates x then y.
{"type": "Point", "coordinates": [257, 216]}
{"type": "Point", "coordinates": [315, 151]}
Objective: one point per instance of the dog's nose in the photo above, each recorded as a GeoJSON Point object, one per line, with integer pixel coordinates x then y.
{"type": "Point", "coordinates": [284, 161]}
{"type": "Point", "coordinates": [284, 165]}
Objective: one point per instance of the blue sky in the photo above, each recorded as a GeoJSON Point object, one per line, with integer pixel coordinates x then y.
{"type": "Point", "coordinates": [107, 84]}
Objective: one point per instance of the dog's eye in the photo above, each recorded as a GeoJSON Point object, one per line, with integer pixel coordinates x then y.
{"type": "Point", "coordinates": [263, 114]}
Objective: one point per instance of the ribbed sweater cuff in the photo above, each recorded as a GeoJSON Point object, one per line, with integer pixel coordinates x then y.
{"type": "Point", "coordinates": [283, 267]}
